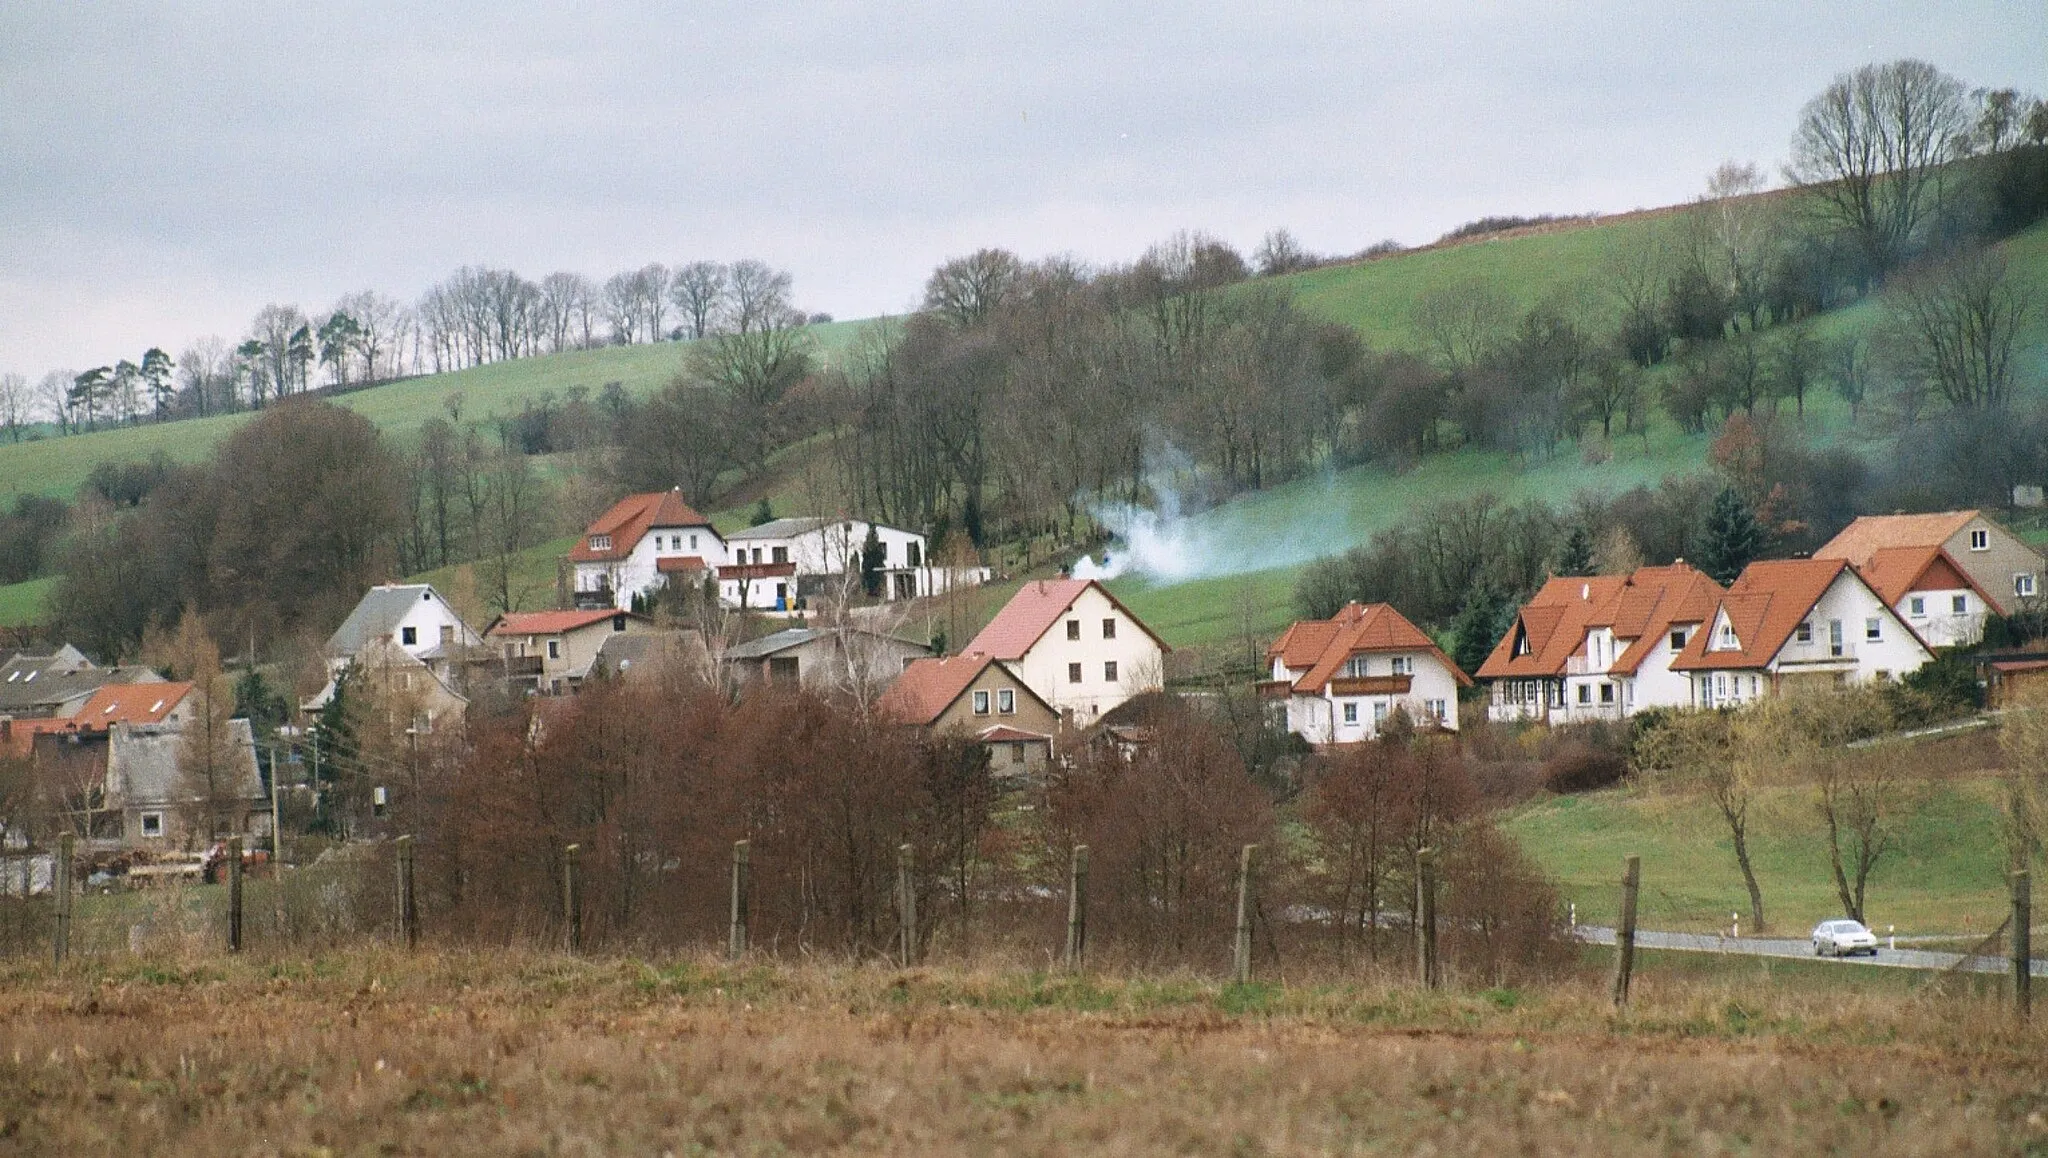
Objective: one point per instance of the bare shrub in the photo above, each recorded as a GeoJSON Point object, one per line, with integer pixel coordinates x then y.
{"type": "Point", "coordinates": [1579, 767]}
{"type": "Point", "coordinates": [1502, 921]}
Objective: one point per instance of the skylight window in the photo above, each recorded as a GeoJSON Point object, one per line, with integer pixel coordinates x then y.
{"type": "Point", "coordinates": [157, 706]}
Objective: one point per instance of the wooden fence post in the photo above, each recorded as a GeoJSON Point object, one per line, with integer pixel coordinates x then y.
{"type": "Point", "coordinates": [408, 907]}
{"type": "Point", "coordinates": [60, 892]}
{"type": "Point", "coordinates": [234, 894]}
{"type": "Point", "coordinates": [906, 904]}
{"type": "Point", "coordinates": [1077, 909]}
{"type": "Point", "coordinates": [2022, 944]}
{"type": "Point", "coordinates": [736, 929]}
{"type": "Point", "coordinates": [1426, 970]}
{"type": "Point", "coordinates": [1241, 947]}
{"type": "Point", "coordinates": [572, 899]}
{"type": "Point", "coordinates": [1625, 930]}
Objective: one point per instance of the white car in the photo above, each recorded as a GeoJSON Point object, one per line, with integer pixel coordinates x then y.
{"type": "Point", "coordinates": [1843, 938]}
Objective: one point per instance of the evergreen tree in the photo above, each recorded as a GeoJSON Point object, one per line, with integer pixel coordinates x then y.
{"type": "Point", "coordinates": [1478, 626]}
{"type": "Point", "coordinates": [265, 710]}
{"type": "Point", "coordinates": [871, 564]}
{"type": "Point", "coordinates": [763, 513]}
{"type": "Point", "coordinates": [1731, 537]}
{"type": "Point", "coordinates": [1576, 556]}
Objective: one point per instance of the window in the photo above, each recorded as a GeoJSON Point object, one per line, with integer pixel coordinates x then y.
{"type": "Point", "coordinates": [1017, 752]}
{"type": "Point", "coordinates": [1350, 711]}
{"type": "Point", "coordinates": [1980, 540]}
{"type": "Point", "coordinates": [1006, 701]}
{"type": "Point", "coordinates": [619, 621]}
{"type": "Point", "coordinates": [447, 634]}
{"type": "Point", "coordinates": [1357, 666]}
{"type": "Point", "coordinates": [600, 542]}
{"type": "Point", "coordinates": [1873, 630]}
{"type": "Point", "coordinates": [152, 824]}
{"type": "Point", "coordinates": [1109, 671]}
{"type": "Point", "coordinates": [1959, 604]}
{"type": "Point", "coordinates": [780, 555]}
{"type": "Point", "coordinates": [1434, 709]}
{"type": "Point", "coordinates": [1916, 606]}
{"type": "Point", "coordinates": [1725, 639]}
{"type": "Point", "coordinates": [1404, 665]}
{"type": "Point", "coordinates": [2023, 584]}
{"type": "Point", "coordinates": [1073, 673]}
{"type": "Point", "coordinates": [1379, 712]}
{"type": "Point", "coordinates": [1835, 645]}
{"type": "Point", "coordinates": [1109, 629]}
{"type": "Point", "coordinates": [912, 555]}
{"type": "Point", "coordinates": [1073, 629]}
{"type": "Point", "coordinates": [1804, 632]}
{"type": "Point", "coordinates": [554, 649]}
{"type": "Point", "coordinates": [409, 636]}
{"type": "Point", "coordinates": [1585, 693]}
{"type": "Point", "coordinates": [981, 703]}
{"type": "Point", "coordinates": [693, 542]}
{"type": "Point", "coordinates": [1678, 639]}
{"type": "Point", "coordinates": [1606, 693]}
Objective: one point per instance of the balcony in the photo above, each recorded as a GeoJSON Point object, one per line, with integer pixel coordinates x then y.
{"type": "Point", "coordinates": [1391, 685]}
{"type": "Point", "coordinates": [756, 570]}
{"type": "Point", "coordinates": [1273, 689]}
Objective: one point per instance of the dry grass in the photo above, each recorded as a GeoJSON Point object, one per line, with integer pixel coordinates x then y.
{"type": "Point", "coordinates": [522, 1053]}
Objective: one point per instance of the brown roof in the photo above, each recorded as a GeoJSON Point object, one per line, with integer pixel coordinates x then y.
{"type": "Point", "coordinates": [1650, 603]}
{"type": "Point", "coordinates": [1358, 629]}
{"type": "Point", "coordinates": [1895, 572]}
{"type": "Point", "coordinates": [548, 622]}
{"type": "Point", "coordinates": [129, 704]}
{"type": "Point", "coordinates": [1870, 534]}
{"type": "Point", "coordinates": [1005, 734]}
{"type": "Point", "coordinates": [1764, 604]}
{"type": "Point", "coordinates": [1552, 625]}
{"type": "Point", "coordinates": [632, 517]}
{"type": "Point", "coordinates": [928, 687]}
{"type": "Point", "coordinates": [1033, 610]}
{"type": "Point", "coordinates": [679, 564]}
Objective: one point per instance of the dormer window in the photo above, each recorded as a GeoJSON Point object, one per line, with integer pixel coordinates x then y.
{"type": "Point", "coordinates": [1724, 639]}
{"type": "Point", "coordinates": [600, 542]}
{"type": "Point", "coordinates": [1678, 639]}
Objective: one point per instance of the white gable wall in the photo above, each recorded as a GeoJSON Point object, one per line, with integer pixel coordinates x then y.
{"type": "Point", "coordinates": [1140, 662]}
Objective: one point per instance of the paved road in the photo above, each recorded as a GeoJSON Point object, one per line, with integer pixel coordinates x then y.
{"type": "Point", "coordinates": [1782, 947]}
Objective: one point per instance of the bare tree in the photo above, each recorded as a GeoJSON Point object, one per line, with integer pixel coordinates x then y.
{"type": "Point", "coordinates": [966, 291]}
{"type": "Point", "coordinates": [53, 395]}
{"type": "Point", "coordinates": [1699, 753]}
{"type": "Point", "coordinates": [1869, 150]}
{"type": "Point", "coordinates": [1279, 253]}
{"type": "Point", "coordinates": [621, 299]}
{"type": "Point", "coordinates": [565, 301]}
{"type": "Point", "coordinates": [699, 291]}
{"type": "Point", "coordinates": [1958, 324]}
{"type": "Point", "coordinates": [15, 401]}
{"type": "Point", "coordinates": [1740, 222]}
{"type": "Point", "coordinates": [1464, 323]}
{"type": "Point", "coordinates": [759, 297]}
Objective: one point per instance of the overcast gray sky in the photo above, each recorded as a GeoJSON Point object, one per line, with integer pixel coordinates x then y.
{"type": "Point", "coordinates": [167, 169]}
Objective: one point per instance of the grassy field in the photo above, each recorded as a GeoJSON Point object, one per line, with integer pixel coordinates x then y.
{"type": "Point", "coordinates": [1946, 877]}
{"type": "Point", "coordinates": [500, 1052]}
{"type": "Point", "coordinates": [22, 603]}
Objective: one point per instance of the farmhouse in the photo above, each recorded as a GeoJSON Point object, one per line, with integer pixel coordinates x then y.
{"type": "Point", "coordinates": [1599, 647]}
{"type": "Point", "coordinates": [553, 651]}
{"type": "Point", "coordinates": [154, 799]}
{"type": "Point", "coordinates": [975, 697]}
{"type": "Point", "coordinates": [1790, 624]}
{"type": "Point", "coordinates": [414, 618]}
{"type": "Point", "coordinates": [642, 542]}
{"type": "Point", "coordinates": [1342, 678]}
{"type": "Point", "coordinates": [785, 564]}
{"type": "Point", "coordinates": [1943, 573]}
{"type": "Point", "coordinates": [407, 688]}
{"type": "Point", "coordinates": [1075, 645]}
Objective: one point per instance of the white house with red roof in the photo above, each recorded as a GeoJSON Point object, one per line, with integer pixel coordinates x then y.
{"type": "Point", "coordinates": [1599, 647]}
{"type": "Point", "coordinates": [1944, 573]}
{"type": "Point", "coordinates": [1790, 624]}
{"type": "Point", "coordinates": [643, 542]}
{"type": "Point", "coordinates": [554, 650]}
{"type": "Point", "coordinates": [1344, 677]}
{"type": "Point", "coordinates": [1075, 645]}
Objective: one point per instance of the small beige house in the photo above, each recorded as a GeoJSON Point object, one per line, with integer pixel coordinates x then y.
{"type": "Point", "coordinates": [1942, 573]}
{"type": "Point", "coordinates": [976, 697]}
{"type": "Point", "coordinates": [1074, 644]}
{"type": "Point", "coordinates": [555, 650]}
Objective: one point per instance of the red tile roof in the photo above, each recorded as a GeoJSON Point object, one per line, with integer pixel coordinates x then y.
{"type": "Point", "coordinates": [1005, 734]}
{"type": "Point", "coordinates": [17, 737]}
{"type": "Point", "coordinates": [1033, 610]}
{"type": "Point", "coordinates": [679, 564]}
{"type": "Point", "coordinates": [1357, 629]}
{"type": "Point", "coordinates": [632, 517]}
{"type": "Point", "coordinates": [1896, 572]}
{"type": "Point", "coordinates": [129, 704]}
{"type": "Point", "coordinates": [1869, 534]}
{"type": "Point", "coordinates": [1764, 605]}
{"type": "Point", "coordinates": [1549, 628]}
{"type": "Point", "coordinates": [928, 687]}
{"type": "Point", "coordinates": [1651, 603]}
{"type": "Point", "coordinates": [548, 622]}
